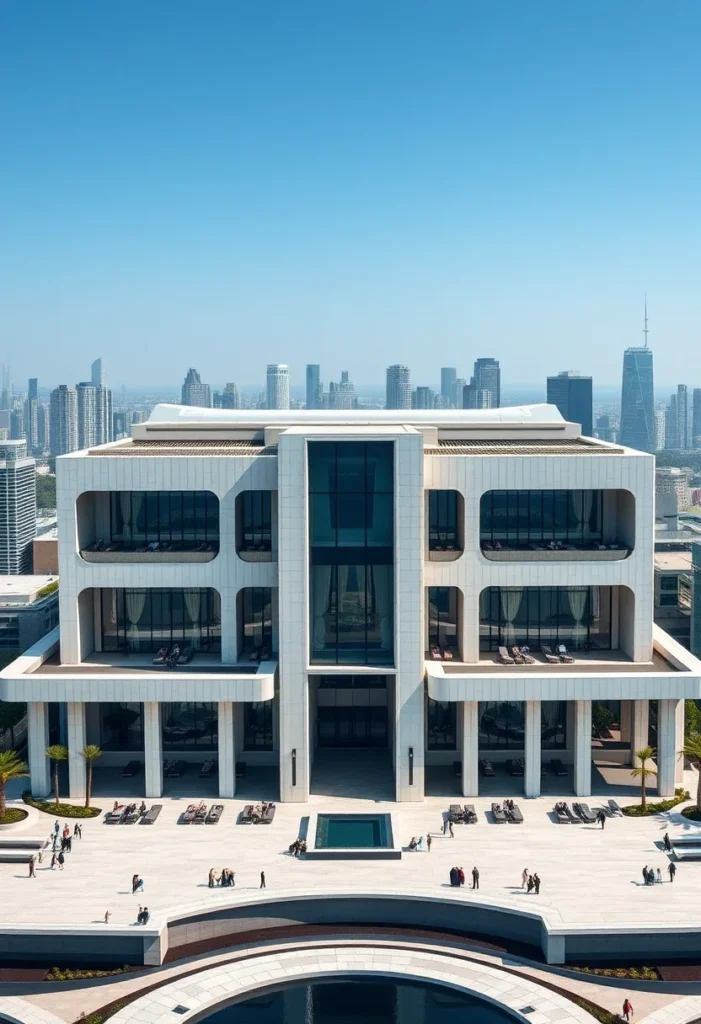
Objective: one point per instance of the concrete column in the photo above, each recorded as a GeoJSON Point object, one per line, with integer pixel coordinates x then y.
{"type": "Point", "coordinates": [153, 749]}
{"type": "Point", "coordinates": [470, 748]}
{"type": "Point", "coordinates": [668, 746]}
{"type": "Point", "coordinates": [582, 748]}
{"type": "Point", "coordinates": [679, 727]}
{"type": "Point", "coordinates": [626, 722]}
{"type": "Point", "coordinates": [639, 729]}
{"type": "Point", "coordinates": [533, 749]}
{"type": "Point", "coordinates": [227, 773]}
{"type": "Point", "coordinates": [37, 742]}
{"type": "Point", "coordinates": [76, 741]}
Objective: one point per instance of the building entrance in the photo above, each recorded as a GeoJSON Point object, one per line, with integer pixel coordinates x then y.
{"type": "Point", "coordinates": [351, 727]}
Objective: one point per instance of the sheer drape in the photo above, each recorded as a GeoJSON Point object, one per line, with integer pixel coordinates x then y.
{"type": "Point", "coordinates": [135, 602]}
{"type": "Point", "coordinates": [125, 509]}
{"type": "Point", "coordinates": [382, 578]}
{"type": "Point", "coordinates": [510, 605]}
{"type": "Point", "coordinates": [320, 604]}
{"type": "Point", "coordinates": [192, 606]}
{"type": "Point", "coordinates": [577, 598]}
{"type": "Point", "coordinates": [585, 515]}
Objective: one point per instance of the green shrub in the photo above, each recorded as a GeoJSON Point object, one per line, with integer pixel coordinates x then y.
{"type": "Point", "coordinates": [633, 973]}
{"type": "Point", "coordinates": [12, 815]}
{"type": "Point", "coordinates": [636, 811]}
{"type": "Point", "coordinates": [692, 813]}
{"type": "Point", "coordinates": [61, 810]}
{"type": "Point", "coordinates": [50, 588]}
{"type": "Point", "coordinates": [68, 974]}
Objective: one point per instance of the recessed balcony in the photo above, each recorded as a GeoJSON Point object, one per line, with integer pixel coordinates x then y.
{"type": "Point", "coordinates": [116, 554]}
{"type": "Point", "coordinates": [553, 552]}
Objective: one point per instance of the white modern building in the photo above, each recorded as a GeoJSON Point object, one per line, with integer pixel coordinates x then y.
{"type": "Point", "coordinates": [277, 386]}
{"type": "Point", "coordinates": [18, 507]}
{"type": "Point", "coordinates": [346, 579]}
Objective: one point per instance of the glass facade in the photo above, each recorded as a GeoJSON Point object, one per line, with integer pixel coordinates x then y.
{"type": "Point", "coordinates": [258, 725]}
{"type": "Point", "coordinates": [351, 550]}
{"type": "Point", "coordinates": [147, 619]}
{"type": "Point", "coordinates": [255, 606]}
{"type": "Point", "coordinates": [189, 726]}
{"type": "Point", "coordinates": [502, 725]}
{"type": "Point", "coordinates": [442, 618]}
{"type": "Point", "coordinates": [121, 726]}
{"type": "Point", "coordinates": [441, 725]}
{"type": "Point", "coordinates": [443, 525]}
{"type": "Point", "coordinates": [254, 514]}
{"type": "Point", "coordinates": [579, 617]}
{"type": "Point", "coordinates": [521, 519]}
{"type": "Point", "coordinates": [182, 520]}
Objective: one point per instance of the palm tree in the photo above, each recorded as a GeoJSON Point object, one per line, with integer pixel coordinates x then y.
{"type": "Point", "coordinates": [11, 767]}
{"type": "Point", "coordinates": [692, 749]}
{"type": "Point", "coordinates": [642, 772]}
{"type": "Point", "coordinates": [89, 754]}
{"type": "Point", "coordinates": [56, 753]}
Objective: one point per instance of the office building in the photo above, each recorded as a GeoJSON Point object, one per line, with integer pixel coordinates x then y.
{"type": "Point", "coordinates": [476, 398]}
{"type": "Point", "coordinates": [312, 622]}
{"type": "Point", "coordinates": [64, 420]}
{"type": "Point", "coordinates": [449, 376]}
{"type": "Point", "coordinates": [572, 395]}
{"type": "Point", "coordinates": [43, 427]}
{"type": "Point", "coordinates": [119, 424]}
{"type": "Point", "coordinates": [194, 392]}
{"type": "Point", "coordinates": [637, 400]}
{"type": "Point", "coordinates": [314, 386]}
{"type": "Point", "coordinates": [660, 429]}
{"type": "Point", "coordinates": [277, 386]}
{"type": "Point", "coordinates": [683, 413]}
{"type": "Point", "coordinates": [87, 414]}
{"type": "Point", "coordinates": [672, 495]}
{"type": "Point", "coordinates": [17, 430]}
{"type": "Point", "coordinates": [28, 610]}
{"type": "Point", "coordinates": [398, 395]}
{"type": "Point", "coordinates": [487, 377]}
{"type": "Point", "coordinates": [673, 594]}
{"type": "Point", "coordinates": [18, 508]}
{"type": "Point", "coordinates": [423, 398]}
{"type": "Point", "coordinates": [230, 398]}
{"type": "Point", "coordinates": [695, 439]}
{"type": "Point", "coordinates": [31, 415]}
{"type": "Point", "coordinates": [97, 374]}
{"type": "Point", "coordinates": [695, 629]}
{"type": "Point", "coordinates": [103, 414]}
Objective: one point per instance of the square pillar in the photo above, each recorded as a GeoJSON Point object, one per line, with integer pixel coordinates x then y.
{"type": "Point", "coordinates": [37, 742]}
{"type": "Point", "coordinates": [639, 729]}
{"type": "Point", "coordinates": [679, 762]}
{"type": "Point", "coordinates": [582, 748]}
{"type": "Point", "coordinates": [668, 745]}
{"type": "Point", "coordinates": [532, 752]}
{"type": "Point", "coordinates": [227, 772]}
{"type": "Point", "coordinates": [153, 749]}
{"type": "Point", "coordinates": [470, 748]}
{"type": "Point", "coordinates": [76, 741]}
{"type": "Point", "coordinates": [626, 722]}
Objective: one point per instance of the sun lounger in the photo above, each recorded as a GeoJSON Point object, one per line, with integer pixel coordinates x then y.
{"type": "Point", "coordinates": [455, 813]}
{"type": "Point", "coordinates": [246, 816]}
{"type": "Point", "coordinates": [470, 814]}
{"type": "Point", "coordinates": [517, 656]}
{"type": "Point", "coordinates": [150, 817]}
{"type": "Point", "coordinates": [186, 655]}
{"type": "Point", "coordinates": [499, 814]}
{"type": "Point", "coordinates": [561, 813]}
{"type": "Point", "coordinates": [129, 770]}
{"type": "Point", "coordinates": [547, 653]}
{"type": "Point", "coordinates": [240, 769]}
{"type": "Point", "coordinates": [558, 767]}
{"type": "Point", "coordinates": [457, 769]}
{"type": "Point", "coordinates": [115, 816]}
{"type": "Point", "coordinates": [574, 820]}
{"type": "Point", "coordinates": [527, 656]}
{"type": "Point", "coordinates": [208, 769]}
{"type": "Point", "coordinates": [267, 816]}
{"type": "Point", "coordinates": [515, 766]}
{"type": "Point", "coordinates": [513, 813]}
{"type": "Point", "coordinates": [130, 815]}
{"type": "Point", "coordinates": [215, 813]}
{"type": "Point", "coordinates": [504, 656]}
{"type": "Point", "coordinates": [615, 809]}
{"type": "Point", "coordinates": [487, 769]}
{"type": "Point", "coordinates": [563, 655]}
{"type": "Point", "coordinates": [160, 658]}
{"type": "Point", "coordinates": [435, 652]}
{"type": "Point", "coordinates": [175, 769]}
{"type": "Point", "coordinates": [188, 815]}
{"type": "Point", "coordinates": [583, 813]}
{"type": "Point", "coordinates": [200, 814]}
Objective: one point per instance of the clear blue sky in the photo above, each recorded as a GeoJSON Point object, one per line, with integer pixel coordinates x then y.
{"type": "Point", "coordinates": [355, 183]}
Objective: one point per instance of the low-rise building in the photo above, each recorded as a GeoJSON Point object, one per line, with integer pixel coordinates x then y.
{"type": "Point", "coordinates": [28, 610]}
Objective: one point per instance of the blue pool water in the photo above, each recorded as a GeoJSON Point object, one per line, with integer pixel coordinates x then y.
{"type": "Point", "coordinates": [353, 832]}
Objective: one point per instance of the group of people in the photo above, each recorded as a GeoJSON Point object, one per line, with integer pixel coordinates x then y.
{"type": "Point", "coordinates": [226, 878]}
{"type": "Point", "coordinates": [297, 848]}
{"type": "Point", "coordinates": [457, 878]}
{"type": "Point", "coordinates": [418, 843]}
{"type": "Point", "coordinates": [530, 882]}
{"type": "Point", "coordinates": [651, 877]}
{"type": "Point", "coordinates": [137, 884]}
{"type": "Point", "coordinates": [143, 915]}
{"type": "Point", "coordinates": [259, 810]}
{"type": "Point", "coordinates": [61, 844]}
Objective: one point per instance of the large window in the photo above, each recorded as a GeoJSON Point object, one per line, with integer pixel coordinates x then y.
{"type": "Point", "coordinates": [9, 633]}
{"type": "Point", "coordinates": [189, 726]}
{"type": "Point", "coordinates": [443, 523]}
{"type": "Point", "coordinates": [501, 725]}
{"type": "Point", "coordinates": [351, 543]}
{"type": "Point", "coordinates": [255, 607]}
{"type": "Point", "coordinates": [254, 521]}
{"type": "Point", "coordinates": [121, 727]}
{"type": "Point", "coordinates": [174, 520]}
{"type": "Point", "coordinates": [441, 730]}
{"type": "Point", "coordinates": [258, 725]}
{"type": "Point", "coordinates": [579, 617]}
{"type": "Point", "coordinates": [553, 724]}
{"type": "Point", "coordinates": [442, 619]}
{"type": "Point", "coordinates": [519, 519]}
{"type": "Point", "coordinates": [147, 619]}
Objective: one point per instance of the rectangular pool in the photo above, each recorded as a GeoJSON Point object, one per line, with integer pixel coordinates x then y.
{"type": "Point", "coordinates": [352, 835]}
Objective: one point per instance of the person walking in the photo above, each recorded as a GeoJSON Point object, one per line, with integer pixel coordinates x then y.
{"type": "Point", "coordinates": [524, 878]}
{"type": "Point", "coordinates": [601, 818]}
{"type": "Point", "coordinates": [529, 884]}
{"type": "Point", "coordinates": [53, 861]}
{"type": "Point", "coordinates": [428, 842]}
{"type": "Point", "coordinates": [659, 876]}
{"type": "Point", "coordinates": [461, 876]}
{"type": "Point", "coordinates": [475, 878]}
{"type": "Point", "coordinates": [107, 917]}
{"type": "Point", "coordinates": [78, 830]}
{"type": "Point", "coordinates": [32, 871]}
{"type": "Point", "coordinates": [450, 828]}
{"type": "Point", "coordinates": [645, 878]}
{"type": "Point", "coordinates": [667, 842]}
{"type": "Point", "coordinates": [454, 877]}
{"type": "Point", "coordinates": [61, 859]}
{"type": "Point", "coordinates": [445, 827]}
{"type": "Point", "coordinates": [262, 879]}
{"type": "Point", "coordinates": [57, 827]}
{"type": "Point", "coordinates": [134, 881]}
{"type": "Point", "coordinates": [627, 1009]}
{"type": "Point", "coordinates": [672, 870]}
{"type": "Point", "coordinates": [536, 883]}
{"type": "Point", "coordinates": [212, 878]}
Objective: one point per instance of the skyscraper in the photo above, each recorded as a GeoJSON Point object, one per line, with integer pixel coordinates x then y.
{"type": "Point", "coordinates": [277, 383]}
{"type": "Point", "coordinates": [43, 427]}
{"type": "Point", "coordinates": [342, 395]}
{"type": "Point", "coordinates": [64, 420]}
{"type": "Point", "coordinates": [449, 376]}
{"type": "Point", "coordinates": [194, 392]}
{"type": "Point", "coordinates": [424, 398]}
{"type": "Point", "coordinates": [660, 430]}
{"type": "Point", "coordinates": [682, 417]}
{"type": "Point", "coordinates": [487, 377]}
{"type": "Point", "coordinates": [86, 393]}
{"type": "Point", "coordinates": [572, 394]}
{"type": "Point", "coordinates": [476, 398]}
{"type": "Point", "coordinates": [398, 387]}
{"type": "Point", "coordinates": [18, 508]}
{"type": "Point", "coordinates": [230, 398]}
{"type": "Point", "coordinates": [637, 397]}
{"type": "Point", "coordinates": [671, 434]}
{"type": "Point", "coordinates": [696, 419]}
{"type": "Point", "coordinates": [314, 386]}
{"type": "Point", "coordinates": [103, 415]}
{"type": "Point", "coordinates": [97, 373]}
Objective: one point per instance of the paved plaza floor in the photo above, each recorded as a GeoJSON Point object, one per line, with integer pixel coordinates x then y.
{"type": "Point", "coordinates": [589, 876]}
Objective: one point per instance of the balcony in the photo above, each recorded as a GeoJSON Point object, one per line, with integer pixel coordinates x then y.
{"type": "Point", "coordinates": [116, 554]}
{"type": "Point", "coordinates": [555, 551]}
{"type": "Point", "coordinates": [445, 515]}
{"type": "Point", "coordinates": [254, 526]}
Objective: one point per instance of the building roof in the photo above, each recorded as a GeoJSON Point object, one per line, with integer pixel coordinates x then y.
{"type": "Point", "coordinates": [673, 561]}
{"type": "Point", "coordinates": [18, 590]}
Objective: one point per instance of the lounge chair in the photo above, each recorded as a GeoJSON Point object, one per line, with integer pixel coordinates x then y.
{"type": "Point", "coordinates": [547, 653]}
{"type": "Point", "coordinates": [515, 766]}
{"type": "Point", "coordinates": [215, 813]}
{"type": "Point", "coordinates": [513, 813]}
{"type": "Point", "coordinates": [517, 656]}
{"type": "Point", "coordinates": [129, 770]}
{"type": "Point", "coordinates": [186, 655]}
{"type": "Point", "coordinates": [208, 769]}
{"type": "Point", "coordinates": [114, 816]}
{"type": "Point", "coordinates": [563, 655]}
{"type": "Point", "coordinates": [161, 656]}
{"type": "Point", "coordinates": [615, 809]}
{"type": "Point", "coordinates": [150, 817]}
{"type": "Point", "coordinates": [455, 813]}
{"type": "Point", "coordinates": [435, 652]}
{"type": "Point", "coordinates": [561, 813]}
{"type": "Point", "coordinates": [188, 815]}
{"type": "Point", "coordinates": [265, 653]}
{"type": "Point", "coordinates": [246, 816]}
{"type": "Point", "coordinates": [200, 814]}
{"type": "Point", "coordinates": [447, 654]}
{"type": "Point", "coordinates": [504, 656]}
{"type": "Point", "coordinates": [240, 769]}
{"type": "Point", "coordinates": [130, 815]}
{"type": "Point", "coordinates": [527, 656]}
{"type": "Point", "coordinates": [574, 820]}
{"type": "Point", "coordinates": [558, 767]}
{"type": "Point", "coordinates": [176, 769]}
{"type": "Point", "coordinates": [268, 814]}
{"type": "Point", "coordinates": [470, 814]}
{"type": "Point", "coordinates": [487, 768]}
{"type": "Point", "coordinates": [583, 811]}
{"type": "Point", "coordinates": [499, 814]}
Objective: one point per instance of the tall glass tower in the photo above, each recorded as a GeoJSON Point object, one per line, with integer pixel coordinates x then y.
{"type": "Point", "coordinates": [637, 400]}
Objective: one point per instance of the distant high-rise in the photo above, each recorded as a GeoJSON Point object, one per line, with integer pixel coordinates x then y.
{"type": "Point", "coordinates": [341, 395]}
{"type": "Point", "coordinates": [476, 398]}
{"type": "Point", "coordinates": [33, 389]}
{"type": "Point", "coordinates": [17, 431]}
{"type": "Point", "coordinates": [277, 385]}
{"type": "Point", "coordinates": [487, 377]}
{"type": "Point", "coordinates": [87, 414]}
{"type": "Point", "coordinates": [637, 397]}
{"type": "Point", "coordinates": [18, 508]}
{"type": "Point", "coordinates": [424, 398]}
{"type": "Point", "coordinates": [660, 430]}
{"type": "Point", "coordinates": [683, 417]}
{"type": "Point", "coordinates": [398, 387]}
{"type": "Point", "coordinates": [696, 419]}
{"type": "Point", "coordinates": [314, 386]}
{"type": "Point", "coordinates": [194, 392]}
{"type": "Point", "coordinates": [671, 426]}
{"type": "Point", "coordinates": [449, 375]}
{"type": "Point", "coordinates": [572, 394]}
{"type": "Point", "coordinates": [97, 374]}
{"type": "Point", "coordinates": [230, 398]}
{"type": "Point", "coordinates": [43, 427]}
{"type": "Point", "coordinates": [604, 430]}
{"type": "Point", "coordinates": [458, 394]}
{"type": "Point", "coordinates": [64, 420]}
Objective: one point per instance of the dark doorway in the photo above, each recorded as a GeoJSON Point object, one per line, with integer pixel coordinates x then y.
{"type": "Point", "coordinates": [351, 727]}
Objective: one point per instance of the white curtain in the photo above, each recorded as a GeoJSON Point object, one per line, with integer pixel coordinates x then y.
{"type": "Point", "coordinates": [321, 577]}
{"type": "Point", "coordinates": [125, 509]}
{"type": "Point", "coordinates": [341, 588]}
{"type": "Point", "coordinates": [382, 578]}
{"type": "Point", "coordinates": [192, 606]}
{"type": "Point", "coordinates": [585, 514]}
{"type": "Point", "coordinates": [135, 601]}
{"type": "Point", "coordinates": [510, 604]}
{"type": "Point", "coordinates": [577, 598]}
